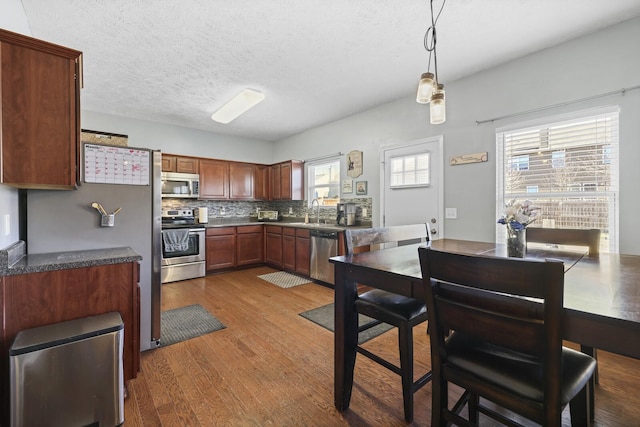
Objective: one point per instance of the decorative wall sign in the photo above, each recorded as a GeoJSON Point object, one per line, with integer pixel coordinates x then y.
{"type": "Point", "coordinates": [469, 158]}
{"type": "Point", "coordinates": [354, 163]}
{"type": "Point", "coordinates": [347, 186]}
{"type": "Point", "coordinates": [361, 188]}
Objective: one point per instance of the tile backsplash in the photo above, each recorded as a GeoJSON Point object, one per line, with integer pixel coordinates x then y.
{"type": "Point", "coordinates": [288, 210]}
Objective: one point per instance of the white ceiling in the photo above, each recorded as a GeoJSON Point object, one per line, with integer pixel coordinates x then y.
{"type": "Point", "coordinates": [317, 61]}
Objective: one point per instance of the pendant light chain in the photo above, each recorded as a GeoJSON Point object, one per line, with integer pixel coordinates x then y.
{"type": "Point", "coordinates": [429, 88]}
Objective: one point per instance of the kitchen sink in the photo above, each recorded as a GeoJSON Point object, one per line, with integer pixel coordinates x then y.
{"type": "Point", "coordinates": [311, 224]}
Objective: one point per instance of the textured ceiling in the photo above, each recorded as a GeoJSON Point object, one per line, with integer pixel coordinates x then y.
{"type": "Point", "coordinates": [317, 61]}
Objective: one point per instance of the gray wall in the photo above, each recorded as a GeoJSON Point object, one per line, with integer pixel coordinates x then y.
{"type": "Point", "coordinates": [604, 61]}
{"type": "Point", "coordinates": [179, 140]}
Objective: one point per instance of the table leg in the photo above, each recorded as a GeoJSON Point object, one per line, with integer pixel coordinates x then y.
{"type": "Point", "coordinates": [345, 336]}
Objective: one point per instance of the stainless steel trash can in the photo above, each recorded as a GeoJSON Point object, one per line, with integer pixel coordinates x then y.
{"type": "Point", "coordinates": [69, 374]}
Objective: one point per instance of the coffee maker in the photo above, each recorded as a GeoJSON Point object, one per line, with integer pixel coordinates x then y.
{"type": "Point", "coordinates": [346, 214]}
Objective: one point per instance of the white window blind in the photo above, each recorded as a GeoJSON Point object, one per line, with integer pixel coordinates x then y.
{"type": "Point", "coordinates": [410, 171]}
{"type": "Point", "coordinates": [573, 167]}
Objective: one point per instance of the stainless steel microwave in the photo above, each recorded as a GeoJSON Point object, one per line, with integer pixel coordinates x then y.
{"type": "Point", "coordinates": [183, 185]}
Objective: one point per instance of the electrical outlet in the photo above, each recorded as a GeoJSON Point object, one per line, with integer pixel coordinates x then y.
{"type": "Point", "coordinates": [364, 212]}
{"type": "Point", "coordinates": [290, 210]}
{"type": "Point", "coordinates": [451, 213]}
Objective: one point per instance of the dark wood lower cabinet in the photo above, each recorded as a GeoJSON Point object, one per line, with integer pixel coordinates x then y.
{"type": "Point", "coordinates": [250, 244]}
{"type": "Point", "coordinates": [273, 243]}
{"type": "Point", "coordinates": [289, 248]}
{"type": "Point", "coordinates": [38, 299]}
{"type": "Point", "coordinates": [303, 252]}
{"type": "Point", "coordinates": [220, 248]}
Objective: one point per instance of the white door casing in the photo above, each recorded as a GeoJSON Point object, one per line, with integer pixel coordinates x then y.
{"type": "Point", "coordinates": [419, 204]}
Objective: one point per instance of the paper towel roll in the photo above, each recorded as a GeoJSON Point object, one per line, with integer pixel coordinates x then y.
{"type": "Point", "coordinates": [203, 215]}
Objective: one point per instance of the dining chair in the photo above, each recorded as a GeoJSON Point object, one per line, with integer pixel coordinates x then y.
{"type": "Point", "coordinates": [496, 331]}
{"type": "Point", "coordinates": [575, 237]}
{"type": "Point", "coordinates": [386, 307]}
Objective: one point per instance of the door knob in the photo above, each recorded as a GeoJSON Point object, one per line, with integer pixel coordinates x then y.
{"type": "Point", "coordinates": [433, 221]}
{"type": "Point", "coordinates": [434, 231]}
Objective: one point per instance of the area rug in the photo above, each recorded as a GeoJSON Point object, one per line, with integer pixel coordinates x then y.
{"type": "Point", "coordinates": [323, 316]}
{"type": "Point", "coordinates": [284, 279]}
{"type": "Point", "coordinates": [184, 323]}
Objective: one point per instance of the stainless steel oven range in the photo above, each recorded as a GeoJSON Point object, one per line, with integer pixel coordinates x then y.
{"type": "Point", "coordinates": [183, 246]}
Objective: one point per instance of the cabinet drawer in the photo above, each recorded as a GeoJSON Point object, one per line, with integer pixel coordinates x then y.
{"type": "Point", "coordinates": [274, 229]}
{"type": "Point", "coordinates": [249, 229]}
{"type": "Point", "coordinates": [288, 231]}
{"type": "Point", "coordinates": [221, 231]}
{"type": "Point", "coordinates": [301, 232]}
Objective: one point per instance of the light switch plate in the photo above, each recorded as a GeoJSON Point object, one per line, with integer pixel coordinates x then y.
{"type": "Point", "coordinates": [451, 213]}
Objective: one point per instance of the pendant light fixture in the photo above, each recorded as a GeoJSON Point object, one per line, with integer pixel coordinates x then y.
{"type": "Point", "coordinates": [429, 88]}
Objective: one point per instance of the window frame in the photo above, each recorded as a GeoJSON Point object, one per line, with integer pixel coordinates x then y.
{"type": "Point", "coordinates": [311, 186]}
{"type": "Point", "coordinates": [602, 197]}
{"type": "Point", "coordinates": [415, 171]}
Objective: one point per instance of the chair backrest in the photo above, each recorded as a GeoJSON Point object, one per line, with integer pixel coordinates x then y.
{"type": "Point", "coordinates": [566, 236]}
{"type": "Point", "coordinates": [482, 297]}
{"type": "Point", "coordinates": [365, 237]}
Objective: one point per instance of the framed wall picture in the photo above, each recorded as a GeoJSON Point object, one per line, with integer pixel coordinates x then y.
{"type": "Point", "coordinates": [354, 163]}
{"type": "Point", "coordinates": [361, 188]}
{"type": "Point", "coordinates": [347, 186]}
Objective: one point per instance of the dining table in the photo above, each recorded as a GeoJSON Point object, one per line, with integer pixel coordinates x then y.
{"type": "Point", "coordinates": [601, 296]}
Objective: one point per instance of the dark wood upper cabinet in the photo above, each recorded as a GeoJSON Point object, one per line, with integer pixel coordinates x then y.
{"type": "Point", "coordinates": [286, 180]}
{"type": "Point", "coordinates": [182, 164]}
{"type": "Point", "coordinates": [40, 113]}
{"type": "Point", "coordinates": [214, 179]}
{"type": "Point", "coordinates": [241, 181]}
{"type": "Point", "coordinates": [261, 182]}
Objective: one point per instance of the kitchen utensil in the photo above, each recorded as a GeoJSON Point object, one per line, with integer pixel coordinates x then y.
{"type": "Point", "coordinates": [99, 208]}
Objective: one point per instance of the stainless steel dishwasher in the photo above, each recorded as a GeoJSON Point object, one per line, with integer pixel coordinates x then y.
{"type": "Point", "coordinates": [324, 245]}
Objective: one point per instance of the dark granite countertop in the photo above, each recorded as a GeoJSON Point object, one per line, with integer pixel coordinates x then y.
{"type": "Point", "coordinates": [14, 261]}
{"type": "Point", "coordinates": [285, 222]}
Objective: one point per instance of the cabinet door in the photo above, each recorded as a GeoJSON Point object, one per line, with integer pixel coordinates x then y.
{"type": "Point", "coordinates": [39, 299]}
{"type": "Point", "coordinates": [303, 252]}
{"type": "Point", "coordinates": [250, 245]}
{"type": "Point", "coordinates": [241, 181]}
{"type": "Point", "coordinates": [261, 182]}
{"type": "Point", "coordinates": [214, 179]}
{"type": "Point", "coordinates": [289, 248]}
{"type": "Point", "coordinates": [186, 165]}
{"type": "Point", "coordinates": [169, 163]}
{"type": "Point", "coordinates": [221, 250]}
{"type": "Point", "coordinates": [274, 182]}
{"type": "Point", "coordinates": [285, 181]}
{"type": "Point", "coordinates": [273, 238]}
{"type": "Point", "coordinates": [40, 113]}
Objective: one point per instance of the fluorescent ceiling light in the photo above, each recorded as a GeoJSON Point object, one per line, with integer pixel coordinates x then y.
{"type": "Point", "coordinates": [237, 105]}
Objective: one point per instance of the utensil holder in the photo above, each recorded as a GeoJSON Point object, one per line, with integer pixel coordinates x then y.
{"type": "Point", "coordinates": [108, 220]}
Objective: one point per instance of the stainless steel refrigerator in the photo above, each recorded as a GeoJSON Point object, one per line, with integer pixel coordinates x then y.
{"type": "Point", "coordinates": [65, 221]}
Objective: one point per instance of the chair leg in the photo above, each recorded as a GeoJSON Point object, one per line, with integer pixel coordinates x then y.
{"type": "Point", "coordinates": [578, 407]}
{"type": "Point", "coordinates": [439, 401]}
{"type": "Point", "coordinates": [593, 380]}
{"type": "Point", "coordinates": [474, 401]}
{"type": "Point", "coordinates": [405, 344]}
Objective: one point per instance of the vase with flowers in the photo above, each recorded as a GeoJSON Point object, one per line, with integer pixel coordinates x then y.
{"type": "Point", "coordinates": [517, 215]}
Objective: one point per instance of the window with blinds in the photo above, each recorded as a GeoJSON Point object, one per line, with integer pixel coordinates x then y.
{"type": "Point", "coordinates": [568, 169]}
{"type": "Point", "coordinates": [323, 182]}
{"type": "Point", "coordinates": [410, 171]}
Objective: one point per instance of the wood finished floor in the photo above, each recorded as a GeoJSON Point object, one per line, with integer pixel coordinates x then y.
{"type": "Point", "coordinates": [272, 367]}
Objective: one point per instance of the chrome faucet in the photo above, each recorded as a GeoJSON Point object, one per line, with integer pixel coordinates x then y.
{"type": "Point", "coordinates": [318, 209]}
